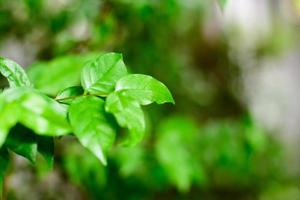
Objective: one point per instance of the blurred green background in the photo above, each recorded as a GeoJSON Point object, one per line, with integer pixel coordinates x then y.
{"type": "Point", "coordinates": [233, 68]}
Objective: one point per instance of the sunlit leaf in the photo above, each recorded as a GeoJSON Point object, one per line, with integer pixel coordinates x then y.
{"type": "Point", "coordinates": [9, 115]}
{"type": "Point", "coordinates": [34, 110]}
{"type": "Point", "coordinates": [144, 89]}
{"type": "Point", "coordinates": [100, 76]}
{"type": "Point", "coordinates": [128, 114]}
{"type": "Point", "coordinates": [90, 125]}
{"type": "Point", "coordinates": [14, 73]}
{"type": "Point", "coordinates": [43, 115]}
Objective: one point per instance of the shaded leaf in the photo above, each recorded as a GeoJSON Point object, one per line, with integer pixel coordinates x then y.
{"type": "Point", "coordinates": [144, 89]}
{"type": "Point", "coordinates": [100, 76]}
{"type": "Point", "coordinates": [22, 141]}
{"type": "Point", "coordinates": [14, 73]}
{"type": "Point", "coordinates": [46, 148]}
{"type": "Point", "coordinates": [128, 114]}
{"type": "Point", "coordinates": [90, 125]}
{"type": "Point", "coordinates": [4, 160]}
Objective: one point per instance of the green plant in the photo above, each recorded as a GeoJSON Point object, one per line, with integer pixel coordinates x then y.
{"type": "Point", "coordinates": [87, 111]}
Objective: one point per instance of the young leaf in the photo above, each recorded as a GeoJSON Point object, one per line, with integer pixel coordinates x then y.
{"type": "Point", "coordinates": [100, 76]}
{"type": "Point", "coordinates": [89, 123]}
{"type": "Point", "coordinates": [67, 95]}
{"type": "Point", "coordinates": [46, 148]}
{"type": "Point", "coordinates": [128, 114]}
{"type": "Point", "coordinates": [14, 73]}
{"type": "Point", "coordinates": [23, 142]}
{"type": "Point", "coordinates": [144, 89]}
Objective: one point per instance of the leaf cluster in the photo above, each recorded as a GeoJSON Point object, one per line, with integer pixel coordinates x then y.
{"type": "Point", "coordinates": [85, 111]}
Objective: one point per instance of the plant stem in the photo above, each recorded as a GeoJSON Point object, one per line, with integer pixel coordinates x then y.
{"type": "Point", "coordinates": [74, 97]}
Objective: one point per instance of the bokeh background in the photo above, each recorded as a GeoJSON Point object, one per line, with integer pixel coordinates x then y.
{"type": "Point", "coordinates": [234, 70]}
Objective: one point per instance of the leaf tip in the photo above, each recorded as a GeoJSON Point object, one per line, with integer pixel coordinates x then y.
{"type": "Point", "coordinates": [103, 160]}
{"type": "Point", "coordinates": [171, 100]}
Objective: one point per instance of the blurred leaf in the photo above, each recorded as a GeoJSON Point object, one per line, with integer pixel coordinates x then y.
{"type": "Point", "coordinates": [23, 142]}
{"type": "Point", "coordinates": [280, 191]}
{"type": "Point", "coordinates": [14, 73]}
{"type": "Point", "coordinates": [4, 160]}
{"type": "Point", "coordinates": [223, 3]}
{"type": "Point", "coordinates": [175, 150]}
{"type": "Point", "coordinates": [34, 110]}
{"type": "Point", "coordinates": [43, 115]}
{"type": "Point", "coordinates": [83, 168]}
{"type": "Point", "coordinates": [59, 73]}
{"type": "Point", "coordinates": [130, 160]}
{"type": "Point", "coordinates": [46, 149]}
{"type": "Point", "coordinates": [100, 76]}
{"type": "Point", "coordinates": [67, 95]}
{"type": "Point", "coordinates": [128, 114]}
{"type": "Point", "coordinates": [255, 135]}
{"type": "Point", "coordinates": [91, 126]}
{"type": "Point", "coordinates": [144, 89]}
{"type": "Point", "coordinates": [9, 113]}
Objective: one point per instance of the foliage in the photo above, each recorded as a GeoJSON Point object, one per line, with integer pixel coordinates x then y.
{"type": "Point", "coordinates": [223, 154]}
{"type": "Point", "coordinates": [184, 155]}
{"type": "Point", "coordinates": [86, 113]}
{"type": "Point", "coordinates": [51, 81]}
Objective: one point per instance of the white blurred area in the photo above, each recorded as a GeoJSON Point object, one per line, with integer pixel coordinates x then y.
{"type": "Point", "coordinates": [271, 83]}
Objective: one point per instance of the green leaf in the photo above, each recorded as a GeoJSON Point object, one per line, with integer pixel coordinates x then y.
{"type": "Point", "coordinates": [46, 149]}
{"type": "Point", "coordinates": [14, 73]}
{"type": "Point", "coordinates": [100, 76]}
{"type": "Point", "coordinates": [9, 113]}
{"type": "Point", "coordinates": [67, 95]}
{"type": "Point", "coordinates": [43, 115]}
{"type": "Point", "coordinates": [59, 73]}
{"type": "Point", "coordinates": [176, 151]}
{"type": "Point", "coordinates": [130, 160]}
{"type": "Point", "coordinates": [144, 89]}
{"type": "Point", "coordinates": [90, 125]}
{"type": "Point", "coordinates": [4, 160]}
{"type": "Point", "coordinates": [34, 110]}
{"type": "Point", "coordinates": [128, 114]}
{"type": "Point", "coordinates": [83, 167]}
{"type": "Point", "coordinates": [22, 141]}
